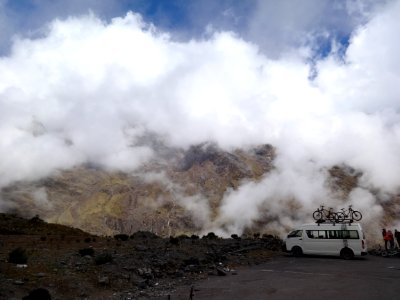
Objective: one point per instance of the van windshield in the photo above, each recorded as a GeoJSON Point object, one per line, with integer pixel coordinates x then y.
{"type": "Point", "coordinates": [295, 233]}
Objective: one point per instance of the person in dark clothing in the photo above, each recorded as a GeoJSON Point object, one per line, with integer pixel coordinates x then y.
{"type": "Point", "coordinates": [385, 238]}
{"type": "Point", "coordinates": [390, 238]}
{"type": "Point", "coordinates": [397, 236]}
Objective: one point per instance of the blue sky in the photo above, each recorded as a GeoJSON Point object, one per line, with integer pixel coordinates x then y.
{"type": "Point", "coordinates": [168, 14]}
{"type": "Point", "coordinates": [274, 26]}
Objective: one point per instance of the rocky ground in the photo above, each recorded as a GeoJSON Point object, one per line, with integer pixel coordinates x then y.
{"type": "Point", "coordinates": [72, 264]}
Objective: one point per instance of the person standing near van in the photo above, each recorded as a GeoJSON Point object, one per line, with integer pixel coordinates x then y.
{"type": "Point", "coordinates": [397, 236]}
{"type": "Point", "coordinates": [390, 239]}
{"type": "Point", "coordinates": [385, 238]}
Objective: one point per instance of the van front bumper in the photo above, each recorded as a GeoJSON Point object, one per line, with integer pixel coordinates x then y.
{"type": "Point", "coordinates": [364, 253]}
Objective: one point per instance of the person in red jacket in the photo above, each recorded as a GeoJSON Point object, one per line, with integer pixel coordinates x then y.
{"type": "Point", "coordinates": [385, 238]}
{"type": "Point", "coordinates": [390, 239]}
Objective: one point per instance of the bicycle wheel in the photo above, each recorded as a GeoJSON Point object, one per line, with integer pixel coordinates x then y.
{"type": "Point", "coordinates": [340, 217]}
{"type": "Point", "coordinates": [317, 215]}
{"type": "Point", "coordinates": [331, 216]}
{"type": "Point", "coordinates": [356, 215]}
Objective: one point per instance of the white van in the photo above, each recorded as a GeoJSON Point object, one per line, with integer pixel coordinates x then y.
{"type": "Point", "coordinates": [345, 240]}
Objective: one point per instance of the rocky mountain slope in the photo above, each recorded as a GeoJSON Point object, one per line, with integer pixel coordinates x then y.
{"type": "Point", "coordinates": [180, 192]}
{"type": "Point", "coordinates": [168, 196]}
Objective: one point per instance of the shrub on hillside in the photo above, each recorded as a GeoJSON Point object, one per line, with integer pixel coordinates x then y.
{"type": "Point", "coordinates": [86, 251]}
{"type": "Point", "coordinates": [36, 219]}
{"type": "Point", "coordinates": [18, 256]}
{"type": "Point", "coordinates": [194, 237]}
{"type": "Point", "coordinates": [144, 235]}
{"type": "Point", "coordinates": [103, 258]}
{"type": "Point", "coordinates": [267, 236]}
{"type": "Point", "coordinates": [183, 237]}
{"type": "Point", "coordinates": [235, 237]}
{"type": "Point", "coordinates": [121, 237]}
{"type": "Point", "coordinates": [210, 236]}
{"type": "Point", "coordinates": [174, 240]}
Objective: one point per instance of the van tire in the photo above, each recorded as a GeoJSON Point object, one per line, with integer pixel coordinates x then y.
{"type": "Point", "coordinates": [296, 251]}
{"type": "Point", "coordinates": [347, 254]}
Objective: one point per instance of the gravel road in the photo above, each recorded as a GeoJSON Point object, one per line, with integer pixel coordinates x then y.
{"type": "Point", "coordinates": [286, 277]}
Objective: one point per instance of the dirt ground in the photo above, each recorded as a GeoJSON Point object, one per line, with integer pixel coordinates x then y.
{"type": "Point", "coordinates": [141, 267]}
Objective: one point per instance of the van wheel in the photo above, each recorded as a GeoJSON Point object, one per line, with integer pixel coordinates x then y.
{"type": "Point", "coordinates": [347, 254]}
{"type": "Point", "coordinates": [297, 252]}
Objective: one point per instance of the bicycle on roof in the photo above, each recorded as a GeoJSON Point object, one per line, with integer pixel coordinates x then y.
{"type": "Point", "coordinates": [322, 214]}
{"type": "Point", "coordinates": [350, 214]}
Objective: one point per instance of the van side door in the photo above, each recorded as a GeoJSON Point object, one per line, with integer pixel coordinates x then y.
{"type": "Point", "coordinates": [294, 238]}
{"type": "Point", "coordinates": [315, 242]}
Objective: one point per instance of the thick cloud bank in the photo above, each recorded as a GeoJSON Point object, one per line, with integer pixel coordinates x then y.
{"type": "Point", "coordinates": [87, 91]}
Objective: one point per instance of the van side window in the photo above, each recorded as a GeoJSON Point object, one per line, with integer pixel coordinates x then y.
{"type": "Point", "coordinates": [315, 234]}
{"type": "Point", "coordinates": [310, 233]}
{"type": "Point", "coordinates": [342, 234]}
{"type": "Point", "coordinates": [295, 233]}
{"type": "Point", "coordinates": [350, 234]}
{"type": "Point", "coordinates": [354, 234]}
{"type": "Point", "coordinates": [333, 234]}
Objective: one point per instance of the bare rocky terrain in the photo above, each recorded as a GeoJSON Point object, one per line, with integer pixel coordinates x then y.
{"type": "Point", "coordinates": [176, 193]}
{"type": "Point", "coordinates": [180, 191]}
{"type": "Point", "coordinates": [72, 264]}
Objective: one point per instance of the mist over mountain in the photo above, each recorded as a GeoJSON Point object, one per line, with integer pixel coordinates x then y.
{"type": "Point", "coordinates": [179, 192]}
{"type": "Point", "coordinates": [117, 124]}
{"type": "Point", "coordinates": [199, 190]}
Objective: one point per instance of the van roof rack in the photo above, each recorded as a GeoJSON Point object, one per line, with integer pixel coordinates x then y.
{"type": "Point", "coordinates": [323, 221]}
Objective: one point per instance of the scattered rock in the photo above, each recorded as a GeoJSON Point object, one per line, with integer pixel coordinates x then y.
{"type": "Point", "coordinates": [145, 273]}
{"type": "Point", "coordinates": [38, 294]}
{"type": "Point", "coordinates": [221, 272]}
{"type": "Point", "coordinates": [141, 248]}
{"type": "Point", "coordinates": [141, 284]}
{"type": "Point", "coordinates": [143, 263]}
{"type": "Point", "coordinates": [104, 281]}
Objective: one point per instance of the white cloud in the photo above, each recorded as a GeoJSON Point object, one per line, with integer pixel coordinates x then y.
{"type": "Point", "coordinates": [281, 26]}
{"type": "Point", "coordinates": [88, 90]}
{"type": "Point", "coordinates": [368, 81]}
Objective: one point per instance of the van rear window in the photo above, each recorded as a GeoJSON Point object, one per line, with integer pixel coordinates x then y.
{"type": "Point", "coordinates": [332, 234]}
